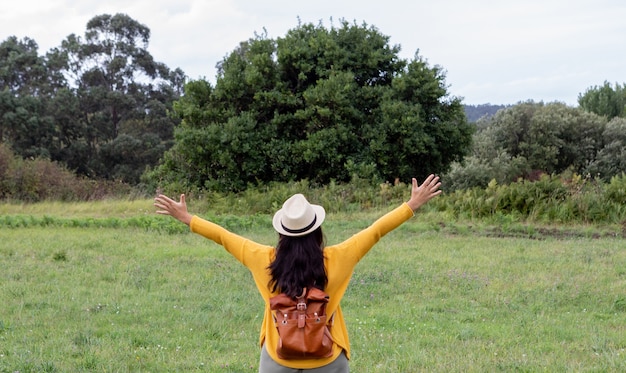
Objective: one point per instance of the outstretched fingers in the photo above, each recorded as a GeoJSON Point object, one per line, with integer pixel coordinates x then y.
{"type": "Point", "coordinates": [168, 206]}
{"type": "Point", "coordinates": [433, 184]}
{"type": "Point", "coordinates": [421, 194]}
{"type": "Point", "coordinates": [164, 204]}
{"type": "Point", "coordinates": [430, 185]}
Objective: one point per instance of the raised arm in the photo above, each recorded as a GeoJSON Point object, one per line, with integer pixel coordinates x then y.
{"type": "Point", "coordinates": [177, 210]}
{"type": "Point", "coordinates": [420, 194]}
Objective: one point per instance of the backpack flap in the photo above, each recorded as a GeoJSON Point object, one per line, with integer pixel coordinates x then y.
{"type": "Point", "coordinates": [301, 325]}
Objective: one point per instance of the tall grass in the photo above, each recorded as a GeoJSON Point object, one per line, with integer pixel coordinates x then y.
{"type": "Point", "coordinates": [131, 298]}
{"type": "Point", "coordinates": [551, 199]}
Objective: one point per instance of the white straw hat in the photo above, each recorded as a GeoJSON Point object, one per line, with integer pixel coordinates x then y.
{"type": "Point", "coordinates": [298, 217]}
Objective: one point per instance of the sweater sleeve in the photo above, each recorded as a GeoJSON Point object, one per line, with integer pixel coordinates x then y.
{"type": "Point", "coordinates": [341, 259]}
{"type": "Point", "coordinates": [253, 255]}
{"type": "Point", "coordinates": [354, 248]}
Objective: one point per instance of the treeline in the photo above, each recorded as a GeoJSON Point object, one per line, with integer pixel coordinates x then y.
{"type": "Point", "coordinates": [476, 112]}
{"type": "Point", "coordinates": [321, 105]}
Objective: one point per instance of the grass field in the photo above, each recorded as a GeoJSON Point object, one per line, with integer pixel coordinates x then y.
{"type": "Point", "coordinates": [117, 297]}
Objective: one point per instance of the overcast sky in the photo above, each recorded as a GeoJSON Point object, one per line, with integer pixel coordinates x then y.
{"type": "Point", "coordinates": [498, 52]}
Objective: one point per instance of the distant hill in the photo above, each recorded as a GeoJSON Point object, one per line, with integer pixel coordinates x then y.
{"type": "Point", "coordinates": [475, 112]}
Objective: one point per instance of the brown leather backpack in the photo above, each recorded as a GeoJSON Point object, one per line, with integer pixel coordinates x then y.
{"type": "Point", "coordinates": [302, 325]}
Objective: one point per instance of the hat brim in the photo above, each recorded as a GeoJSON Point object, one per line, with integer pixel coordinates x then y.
{"type": "Point", "coordinates": [320, 215]}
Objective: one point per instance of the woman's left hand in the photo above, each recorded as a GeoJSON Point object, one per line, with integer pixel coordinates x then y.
{"type": "Point", "coordinates": [177, 210]}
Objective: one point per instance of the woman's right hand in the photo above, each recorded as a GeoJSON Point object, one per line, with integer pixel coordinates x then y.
{"type": "Point", "coordinates": [420, 194]}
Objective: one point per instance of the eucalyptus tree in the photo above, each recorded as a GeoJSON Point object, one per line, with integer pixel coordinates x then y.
{"type": "Point", "coordinates": [122, 97]}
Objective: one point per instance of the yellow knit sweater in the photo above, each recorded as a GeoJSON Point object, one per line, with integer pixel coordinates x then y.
{"type": "Point", "coordinates": [340, 261]}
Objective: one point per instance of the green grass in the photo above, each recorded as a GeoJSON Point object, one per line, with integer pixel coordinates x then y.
{"type": "Point", "coordinates": [92, 209]}
{"type": "Point", "coordinates": [433, 296]}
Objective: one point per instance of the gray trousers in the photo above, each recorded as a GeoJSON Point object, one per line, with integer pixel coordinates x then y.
{"type": "Point", "coordinates": [268, 365]}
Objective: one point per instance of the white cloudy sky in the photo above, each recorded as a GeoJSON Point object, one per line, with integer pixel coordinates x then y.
{"type": "Point", "coordinates": [494, 51]}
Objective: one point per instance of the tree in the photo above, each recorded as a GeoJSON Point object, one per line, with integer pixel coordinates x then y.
{"type": "Point", "coordinates": [25, 125]}
{"type": "Point", "coordinates": [550, 137]}
{"type": "Point", "coordinates": [23, 72]}
{"type": "Point", "coordinates": [530, 138]}
{"type": "Point", "coordinates": [422, 126]}
{"type": "Point", "coordinates": [605, 100]}
{"type": "Point", "coordinates": [123, 98]}
{"type": "Point", "coordinates": [318, 104]}
{"type": "Point", "coordinates": [611, 158]}
{"type": "Point", "coordinates": [26, 86]}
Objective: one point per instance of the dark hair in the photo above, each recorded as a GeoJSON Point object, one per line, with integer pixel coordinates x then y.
{"type": "Point", "coordinates": [299, 263]}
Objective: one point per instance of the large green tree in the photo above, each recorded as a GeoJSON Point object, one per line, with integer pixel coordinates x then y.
{"type": "Point", "coordinates": [318, 104]}
{"type": "Point", "coordinates": [122, 97]}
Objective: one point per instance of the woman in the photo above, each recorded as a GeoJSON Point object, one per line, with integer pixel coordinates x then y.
{"type": "Point", "coordinates": [300, 260]}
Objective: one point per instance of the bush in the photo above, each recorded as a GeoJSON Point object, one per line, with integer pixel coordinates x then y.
{"type": "Point", "coordinates": [550, 199]}
{"type": "Point", "coordinates": [478, 172]}
{"type": "Point", "coordinates": [611, 159]}
{"type": "Point", "coordinates": [32, 180]}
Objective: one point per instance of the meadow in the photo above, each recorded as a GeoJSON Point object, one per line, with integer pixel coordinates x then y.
{"type": "Point", "coordinates": [111, 287]}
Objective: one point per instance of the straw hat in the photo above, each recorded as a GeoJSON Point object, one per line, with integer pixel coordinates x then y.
{"type": "Point", "coordinates": [298, 217]}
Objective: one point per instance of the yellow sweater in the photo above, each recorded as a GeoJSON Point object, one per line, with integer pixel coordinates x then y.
{"type": "Point", "coordinates": [340, 261]}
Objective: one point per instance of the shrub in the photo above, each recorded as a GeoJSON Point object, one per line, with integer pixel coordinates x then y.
{"type": "Point", "coordinates": [551, 198]}
{"type": "Point", "coordinates": [32, 180]}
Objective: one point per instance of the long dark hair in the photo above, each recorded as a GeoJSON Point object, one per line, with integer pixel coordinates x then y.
{"type": "Point", "coordinates": [299, 263]}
